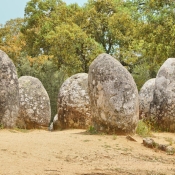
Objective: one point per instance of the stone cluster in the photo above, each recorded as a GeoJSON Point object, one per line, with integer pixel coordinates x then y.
{"type": "Point", "coordinates": [105, 98]}
{"type": "Point", "coordinates": [24, 102]}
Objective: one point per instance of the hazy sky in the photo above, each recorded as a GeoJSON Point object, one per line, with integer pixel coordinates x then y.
{"type": "Point", "coordinates": [10, 9]}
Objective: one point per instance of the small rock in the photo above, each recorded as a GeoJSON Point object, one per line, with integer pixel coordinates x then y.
{"type": "Point", "coordinates": [162, 147]}
{"type": "Point", "coordinates": [170, 150]}
{"type": "Point", "coordinates": [149, 142]}
{"type": "Point", "coordinates": [51, 127]}
{"type": "Point", "coordinates": [130, 138]}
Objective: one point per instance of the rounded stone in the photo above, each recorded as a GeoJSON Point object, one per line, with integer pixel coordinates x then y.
{"type": "Point", "coordinates": [73, 103]}
{"type": "Point", "coordinates": [35, 111]}
{"type": "Point", "coordinates": [146, 96]}
{"type": "Point", "coordinates": [113, 96]}
{"type": "Point", "coordinates": [9, 92]}
{"type": "Point", "coordinates": [164, 97]}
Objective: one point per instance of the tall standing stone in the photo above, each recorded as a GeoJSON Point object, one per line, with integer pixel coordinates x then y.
{"type": "Point", "coordinates": [146, 96]}
{"type": "Point", "coordinates": [113, 96]}
{"type": "Point", "coordinates": [164, 97]}
{"type": "Point", "coordinates": [35, 111]}
{"type": "Point", "coordinates": [73, 103]}
{"type": "Point", "coordinates": [9, 92]}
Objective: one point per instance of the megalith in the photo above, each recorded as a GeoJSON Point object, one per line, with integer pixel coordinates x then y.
{"type": "Point", "coordinates": [35, 110]}
{"type": "Point", "coordinates": [146, 96]}
{"type": "Point", "coordinates": [164, 96]}
{"type": "Point", "coordinates": [73, 103]}
{"type": "Point", "coordinates": [113, 96]}
{"type": "Point", "coordinates": [9, 92]}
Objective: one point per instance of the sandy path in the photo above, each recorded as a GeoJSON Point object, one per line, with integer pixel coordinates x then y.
{"type": "Point", "coordinates": [72, 152]}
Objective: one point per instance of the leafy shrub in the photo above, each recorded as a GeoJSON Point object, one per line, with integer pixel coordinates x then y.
{"type": "Point", "coordinates": [1, 126]}
{"type": "Point", "coordinates": [92, 130]}
{"type": "Point", "coordinates": [143, 129]}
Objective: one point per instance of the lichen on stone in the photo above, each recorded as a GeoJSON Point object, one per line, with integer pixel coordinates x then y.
{"type": "Point", "coordinates": [35, 111]}
{"type": "Point", "coordinates": [9, 92]}
{"type": "Point", "coordinates": [73, 103]}
{"type": "Point", "coordinates": [113, 96]}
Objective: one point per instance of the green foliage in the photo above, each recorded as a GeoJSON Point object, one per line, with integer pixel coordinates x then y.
{"type": "Point", "coordinates": [142, 72]}
{"type": "Point", "coordinates": [141, 75]}
{"type": "Point", "coordinates": [73, 47]}
{"type": "Point", "coordinates": [1, 126]}
{"type": "Point", "coordinates": [19, 130]}
{"type": "Point", "coordinates": [154, 32]}
{"type": "Point", "coordinates": [92, 130]}
{"type": "Point", "coordinates": [75, 35]}
{"type": "Point", "coordinates": [49, 30]}
{"type": "Point", "coordinates": [169, 140]}
{"type": "Point", "coordinates": [11, 40]}
{"type": "Point", "coordinates": [143, 129]}
{"type": "Point", "coordinates": [111, 25]}
{"type": "Point", "coordinates": [114, 137]}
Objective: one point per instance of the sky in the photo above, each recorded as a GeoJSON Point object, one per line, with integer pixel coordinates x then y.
{"type": "Point", "coordinates": [11, 9]}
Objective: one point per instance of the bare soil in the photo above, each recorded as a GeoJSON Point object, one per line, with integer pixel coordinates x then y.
{"type": "Point", "coordinates": [74, 152]}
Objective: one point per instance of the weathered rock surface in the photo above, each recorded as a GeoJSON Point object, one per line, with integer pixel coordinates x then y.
{"type": "Point", "coordinates": [73, 103]}
{"type": "Point", "coordinates": [146, 95]}
{"type": "Point", "coordinates": [164, 96]}
{"type": "Point", "coordinates": [35, 109]}
{"type": "Point", "coordinates": [149, 142]}
{"type": "Point", "coordinates": [113, 96]}
{"type": "Point", "coordinates": [9, 92]}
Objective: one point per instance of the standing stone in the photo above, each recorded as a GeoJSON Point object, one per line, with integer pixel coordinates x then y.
{"type": "Point", "coordinates": [35, 111]}
{"type": "Point", "coordinates": [113, 96]}
{"type": "Point", "coordinates": [164, 97]}
{"type": "Point", "coordinates": [9, 92]}
{"type": "Point", "coordinates": [73, 103]}
{"type": "Point", "coordinates": [146, 95]}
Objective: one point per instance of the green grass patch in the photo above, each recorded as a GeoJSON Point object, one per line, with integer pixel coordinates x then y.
{"type": "Point", "coordinates": [143, 129]}
{"type": "Point", "coordinates": [92, 130]}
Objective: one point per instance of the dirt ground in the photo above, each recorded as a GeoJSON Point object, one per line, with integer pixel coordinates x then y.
{"type": "Point", "coordinates": [74, 152]}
